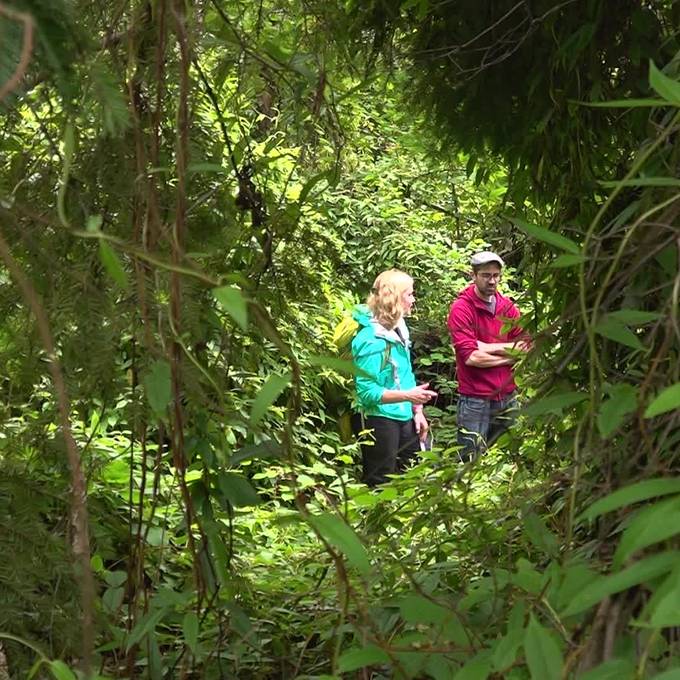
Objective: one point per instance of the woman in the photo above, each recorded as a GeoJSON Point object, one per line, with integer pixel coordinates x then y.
{"type": "Point", "coordinates": [389, 399]}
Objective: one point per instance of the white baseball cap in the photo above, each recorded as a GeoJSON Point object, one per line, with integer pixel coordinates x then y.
{"type": "Point", "coordinates": [485, 257]}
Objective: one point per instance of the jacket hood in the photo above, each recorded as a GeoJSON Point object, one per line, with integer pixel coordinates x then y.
{"type": "Point", "coordinates": [362, 315]}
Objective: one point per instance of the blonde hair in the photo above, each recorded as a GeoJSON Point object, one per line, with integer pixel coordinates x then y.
{"type": "Point", "coordinates": [386, 298]}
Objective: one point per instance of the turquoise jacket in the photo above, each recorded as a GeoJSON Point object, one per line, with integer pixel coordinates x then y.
{"type": "Point", "coordinates": [386, 359]}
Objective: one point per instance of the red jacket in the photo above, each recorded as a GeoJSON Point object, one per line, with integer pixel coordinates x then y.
{"type": "Point", "coordinates": [469, 321]}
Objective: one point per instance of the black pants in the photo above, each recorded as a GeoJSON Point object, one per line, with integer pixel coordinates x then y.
{"type": "Point", "coordinates": [392, 446]}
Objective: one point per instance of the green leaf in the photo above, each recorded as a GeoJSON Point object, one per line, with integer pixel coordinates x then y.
{"type": "Point", "coordinates": [663, 607]}
{"type": "Point", "coordinates": [543, 654]}
{"type": "Point", "coordinates": [627, 103]}
{"type": "Point", "coordinates": [353, 659]}
{"type": "Point", "coordinates": [672, 674]}
{"type": "Point", "coordinates": [539, 534]}
{"type": "Point", "coordinates": [555, 403]}
{"type": "Point", "coordinates": [664, 86]}
{"type": "Point", "coordinates": [112, 264]}
{"type": "Point", "coordinates": [667, 400]}
{"type": "Point", "coordinates": [477, 668]}
{"type": "Point", "coordinates": [640, 491]}
{"type": "Point", "coordinates": [633, 317]}
{"type": "Point", "coordinates": [614, 669]}
{"type": "Point", "coordinates": [264, 450]}
{"type": "Point", "coordinates": [233, 302]}
{"type": "Point", "coordinates": [641, 182]}
{"type": "Point", "coordinates": [190, 626]}
{"type": "Point", "coordinates": [147, 623]}
{"type": "Point", "coordinates": [613, 330]}
{"type": "Point", "coordinates": [267, 395]}
{"type": "Point", "coordinates": [650, 525]}
{"type": "Point", "coordinates": [418, 609]}
{"type": "Point", "coordinates": [206, 167]}
{"type": "Point", "coordinates": [61, 671]}
{"type": "Point", "coordinates": [158, 386]}
{"type": "Point", "coordinates": [505, 650]}
{"type": "Point", "coordinates": [237, 489]}
{"type": "Point", "coordinates": [640, 572]}
{"type": "Point", "coordinates": [112, 599]}
{"type": "Point", "coordinates": [340, 535]}
{"type": "Point", "coordinates": [566, 260]}
{"type": "Point", "coordinates": [328, 175]}
{"type": "Point", "coordinates": [547, 236]}
{"type": "Point", "coordinates": [622, 401]}
{"type": "Point", "coordinates": [339, 365]}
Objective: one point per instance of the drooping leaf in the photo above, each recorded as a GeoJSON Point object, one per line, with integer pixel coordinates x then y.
{"type": "Point", "coordinates": [233, 302]}
{"type": "Point", "coordinates": [642, 182]}
{"type": "Point", "coordinates": [614, 669]}
{"type": "Point", "coordinates": [505, 650]}
{"type": "Point", "coordinates": [651, 525]}
{"type": "Point", "coordinates": [267, 395]}
{"type": "Point", "coordinates": [555, 403]}
{"type": "Point", "coordinates": [627, 103]}
{"type": "Point", "coordinates": [640, 572]}
{"type": "Point", "coordinates": [112, 264]}
{"type": "Point", "coordinates": [622, 401]}
{"type": "Point", "coordinates": [664, 86]}
{"type": "Point", "coordinates": [336, 364]}
{"type": "Point", "coordinates": [662, 608]}
{"type": "Point", "coordinates": [237, 489]}
{"type": "Point", "coordinates": [340, 535]}
{"type": "Point", "coordinates": [353, 659]}
{"type": "Point", "coordinates": [478, 668]}
{"type": "Point", "coordinates": [190, 625]}
{"type": "Point", "coordinates": [610, 328]}
{"type": "Point", "coordinates": [544, 657]}
{"type": "Point", "coordinates": [158, 386]}
{"type": "Point", "coordinates": [539, 534]}
{"type": "Point", "coordinates": [640, 491]}
{"type": "Point", "coordinates": [266, 449]}
{"type": "Point", "coordinates": [633, 317]}
{"type": "Point", "coordinates": [547, 236]}
{"type": "Point", "coordinates": [61, 671]}
{"type": "Point", "coordinates": [666, 400]}
{"type": "Point", "coordinates": [147, 623]}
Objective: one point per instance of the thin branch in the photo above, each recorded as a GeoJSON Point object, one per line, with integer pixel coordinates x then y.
{"type": "Point", "coordinates": [26, 48]}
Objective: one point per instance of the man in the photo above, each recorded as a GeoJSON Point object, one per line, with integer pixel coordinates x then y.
{"type": "Point", "coordinates": [487, 343]}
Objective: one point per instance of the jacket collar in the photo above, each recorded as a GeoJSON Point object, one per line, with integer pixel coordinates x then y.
{"type": "Point", "coordinates": [392, 335]}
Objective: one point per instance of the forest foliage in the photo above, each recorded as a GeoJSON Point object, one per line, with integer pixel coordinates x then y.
{"type": "Point", "coordinates": [192, 195]}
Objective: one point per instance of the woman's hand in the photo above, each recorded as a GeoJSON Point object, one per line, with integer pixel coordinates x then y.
{"type": "Point", "coordinates": [422, 426]}
{"type": "Point", "coordinates": [419, 394]}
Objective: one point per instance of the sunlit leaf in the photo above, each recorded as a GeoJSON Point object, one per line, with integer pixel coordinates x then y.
{"type": "Point", "coordinates": [267, 395]}
{"type": "Point", "coordinates": [633, 317]}
{"type": "Point", "coordinates": [664, 86]}
{"type": "Point", "coordinates": [61, 671]}
{"type": "Point", "coordinates": [667, 400]}
{"type": "Point", "coordinates": [233, 302]}
{"type": "Point", "coordinates": [546, 236]}
{"type": "Point", "coordinates": [566, 260]}
{"type": "Point", "coordinates": [651, 525]}
{"type": "Point", "coordinates": [614, 669]}
{"type": "Point", "coordinates": [112, 264]}
{"type": "Point", "coordinates": [340, 535]}
{"type": "Point", "coordinates": [641, 491]}
{"type": "Point", "coordinates": [622, 401]}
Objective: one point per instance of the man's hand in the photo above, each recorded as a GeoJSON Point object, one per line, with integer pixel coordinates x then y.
{"type": "Point", "coordinates": [422, 426]}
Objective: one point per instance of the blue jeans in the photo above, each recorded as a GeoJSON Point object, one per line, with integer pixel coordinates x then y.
{"type": "Point", "coordinates": [481, 422]}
